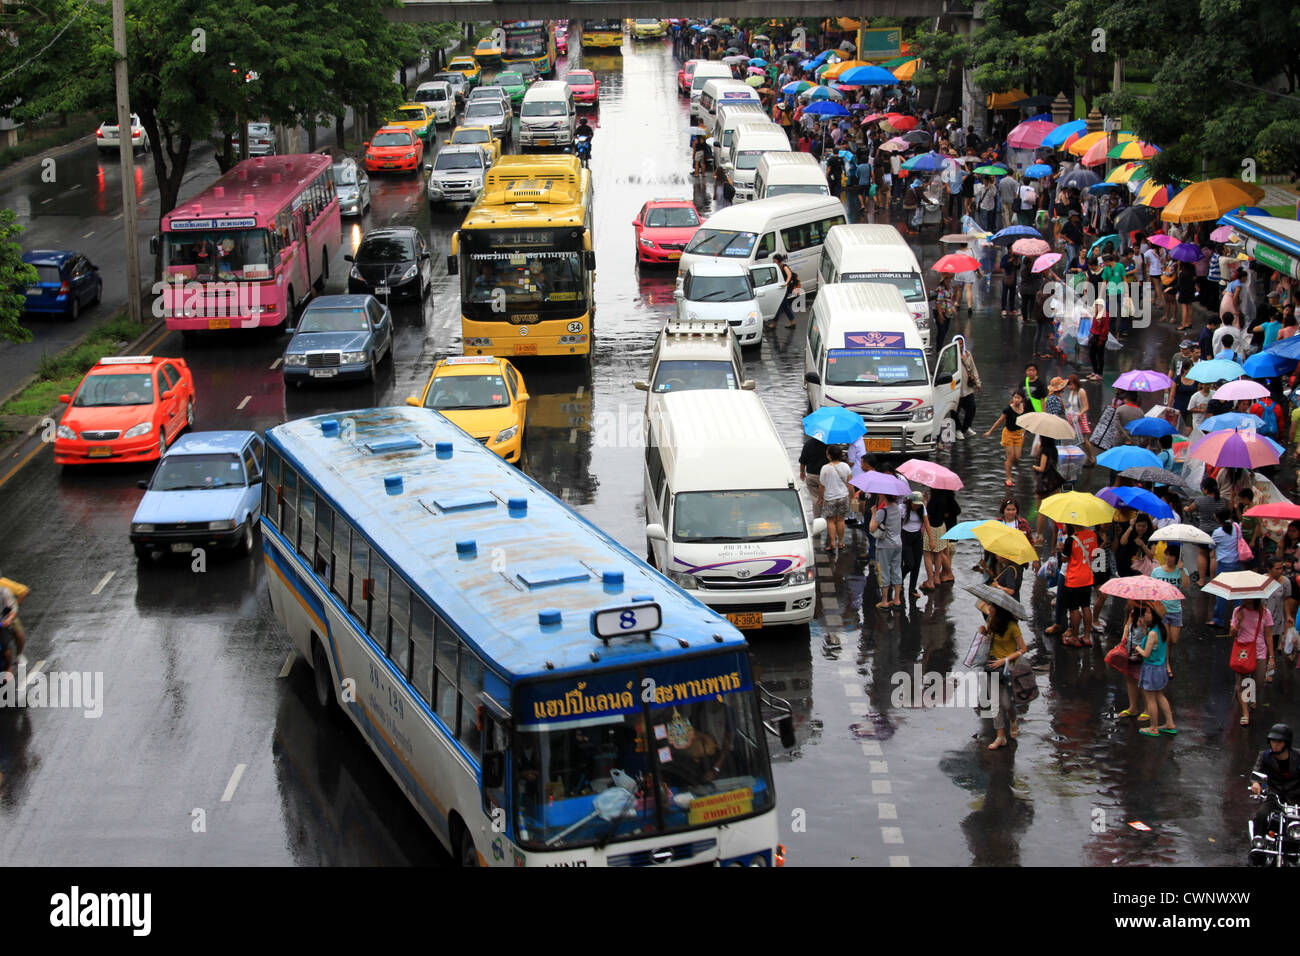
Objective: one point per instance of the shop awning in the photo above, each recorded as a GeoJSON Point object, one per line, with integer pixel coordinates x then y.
{"type": "Point", "coordinates": [1271, 240]}
{"type": "Point", "coordinates": [1007, 100]}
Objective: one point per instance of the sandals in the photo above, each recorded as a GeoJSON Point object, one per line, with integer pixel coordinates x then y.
{"type": "Point", "coordinates": [1245, 721]}
{"type": "Point", "coordinates": [1148, 732]}
{"type": "Point", "coordinates": [1069, 640]}
{"type": "Point", "coordinates": [884, 605]}
{"type": "Point", "coordinates": [1168, 730]}
{"type": "Point", "coordinates": [998, 744]}
{"type": "Point", "coordinates": [1009, 483]}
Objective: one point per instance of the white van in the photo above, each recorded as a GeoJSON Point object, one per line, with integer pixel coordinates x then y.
{"type": "Point", "coordinates": [703, 73]}
{"type": "Point", "coordinates": [748, 144]}
{"type": "Point", "coordinates": [877, 253]}
{"type": "Point", "coordinates": [717, 91]}
{"type": "Point", "coordinates": [865, 353]}
{"type": "Point", "coordinates": [729, 116]}
{"type": "Point", "coordinates": [547, 116]}
{"type": "Point", "coordinates": [779, 174]}
{"type": "Point", "coordinates": [753, 232]}
{"type": "Point", "coordinates": [723, 517]}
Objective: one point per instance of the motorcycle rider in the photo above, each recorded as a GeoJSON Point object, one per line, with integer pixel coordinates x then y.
{"type": "Point", "coordinates": [1282, 766]}
{"type": "Point", "coordinates": [12, 637]}
{"type": "Point", "coordinates": [584, 129]}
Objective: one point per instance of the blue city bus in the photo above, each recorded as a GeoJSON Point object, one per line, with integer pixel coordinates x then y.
{"type": "Point", "coordinates": [541, 695]}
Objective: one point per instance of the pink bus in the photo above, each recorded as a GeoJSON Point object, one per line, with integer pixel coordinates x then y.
{"type": "Point", "coordinates": [249, 249]}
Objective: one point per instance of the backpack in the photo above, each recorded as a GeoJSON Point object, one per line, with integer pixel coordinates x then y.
{"type": "Point", "coordinates": [1269, 428]}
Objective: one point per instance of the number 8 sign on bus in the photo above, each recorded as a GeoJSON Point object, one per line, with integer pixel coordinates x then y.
{"type": "Point", "coordinates": [622, 621]}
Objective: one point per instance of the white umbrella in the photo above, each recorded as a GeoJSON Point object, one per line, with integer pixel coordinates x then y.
{"type": "Point", "coordinates": [1183, 534]}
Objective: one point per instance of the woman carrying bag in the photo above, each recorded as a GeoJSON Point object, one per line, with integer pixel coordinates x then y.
{"type": "Point", "coordinates": [1097, 340]}
{"type": "Point", "coordinates": [1252, 646]}
{"type": "Point", "coordinates": [1006, 645]}
{"type": "Point", "coordinates": [1154, 675]}
{"type": "Point", "coordinates": [791, 290]}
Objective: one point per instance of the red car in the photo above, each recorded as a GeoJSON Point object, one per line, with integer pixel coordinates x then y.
{"type": "Point", "coordinates": [128, 408]}
{"type": "Point", "coordinates": [394, 148]}
{"type": "Point", "coordinates": [585, 86]}
{"type": "Point", "coordinates": [685, 75]}
{"type": "Point", "coordinates": [663, 228]}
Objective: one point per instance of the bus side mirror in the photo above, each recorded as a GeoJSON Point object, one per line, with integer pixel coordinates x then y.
{"type": "Point", "coordinates": [589, 259]}
{"type": "Point", "coordinates": [347, 258]}
{"type": "Point", "coordinates": [812, 378]}
{"type": "Point", "coordinates": [153, 245]}
{"type": "Point", "coordinates": [453, 267]}
{"type": "Point", "coordinates": [143, 484]}
{"type": "Point", "coordinates": [494, 769]}
{"type": "Point", "coordinates": [785, 730]}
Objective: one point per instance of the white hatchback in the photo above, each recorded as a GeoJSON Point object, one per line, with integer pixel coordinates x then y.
{"type": "Point", "coordinates": [709, 289]}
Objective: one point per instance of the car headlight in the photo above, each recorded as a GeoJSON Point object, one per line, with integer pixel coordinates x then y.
{"type": "Point", "coordinates": [227, 525]}
{"type": "Point", "coordinates": [295, 360]}
{"type": "Point", "coordinates": [683, 580]}
{"type": "Point", "coordinates": [410, 273]}
{"type": "Point", "coordinates": [135, 431]}
{"type": "Point", "coordinates": [506, 434]}
{"type": "Point", "coordinates": [799, 577]}
{"type": "Point", "coordinates": [65, 432]}
{"type": "Point", "coordinates": [141, 528]}
{"type": "Point", "coordinates": [647, 242]}
{"type": "Point", "coordinates": [352, 358]}
{"type": "Point", "coordinates": [923, 415]}
{"type": "Point", "coordinates": [355, 273]}
{"type": "Point", "coordinates": [435, 187]}
{"type": "Point", "coordinates": [410, 155]}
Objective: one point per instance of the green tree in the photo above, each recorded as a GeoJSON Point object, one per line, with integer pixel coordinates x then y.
{"type": "Point", "coordinates": [15, 275]}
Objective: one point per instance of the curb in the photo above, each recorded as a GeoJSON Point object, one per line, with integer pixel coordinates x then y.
{"type": "Point", "coordinates": [35, 159]}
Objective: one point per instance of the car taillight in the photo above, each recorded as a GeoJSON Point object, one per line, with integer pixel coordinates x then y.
{"type": "Point", "coordinates": [64, 288]}
{"type": "Point", "coordinates": [135, 134]}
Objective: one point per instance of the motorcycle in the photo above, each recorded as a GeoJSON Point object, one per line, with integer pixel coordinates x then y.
{"type": "Point", "coordinates": [582, 146]}
{"type": "Point", "coordinates": [1280, 845]}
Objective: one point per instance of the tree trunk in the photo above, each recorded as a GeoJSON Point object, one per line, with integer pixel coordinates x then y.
{"type": "Point", "coordinates": [311, 134]}
{"type": "Point", "coordinates": [339, 139]}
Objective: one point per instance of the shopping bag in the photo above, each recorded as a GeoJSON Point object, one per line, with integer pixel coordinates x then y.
{"type": "Point", "coordinates": [978, 652]}
{"type": "Point", "coordinates": [1112, 343]}
{"type": "Point", "coordinates": [1117, 657]}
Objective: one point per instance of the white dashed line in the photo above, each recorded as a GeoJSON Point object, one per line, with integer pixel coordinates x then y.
{"type": "Point", "coordinates": [871, 748]}
{"type": "Point", "coordinates": [240, 406]}
{"type": "Point", "coordinates": [276, 364]}
{"type": "Point", "coordinates": [833, 620]}
{"type": "Point", "coordinates": [234, 782]}
{"type": "Point", "coordinates": [881, 786]}
{"type": "Point", "coordinates": [852, 690]}
{"type": "Point", "coordinates": [89, 234]}
{"type": "Point", "coordinates": [858, 708]}
{"type": "Point", "coordinates": [103, 581]}
{"type": "Point", "coordinates": [117, 217]}
{"type": "Point", "coordinates": [44, 201]}
{"type": "Point", "coordinates": [288, 664]}
{"type": "Point", "coordinates": [891, 834]}
{"type": "Point", "coordinates": [32, 672]}
{"type": "Point", "coordinates": [899, 861]}
{"type": "Point", "coordinates": [848, 672]}
{"type": "Point", "coordinates": [880, 766]}
{"type": "Point", "coordinates": [573, 436]}
{"type": "Point", "coordinates": [887, 811]}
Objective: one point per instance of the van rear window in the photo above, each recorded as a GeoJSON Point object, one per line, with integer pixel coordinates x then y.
{"type": "Point", "coordinates": [908, 283]}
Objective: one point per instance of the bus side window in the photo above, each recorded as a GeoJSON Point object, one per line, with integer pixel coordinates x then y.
{"type": "Point", "coordinates": [360, 573]}
{"type": "Point", "coordinates": [307, 545]}
{"type": "Point", "coordinates": [342, 554]}
{"type": "Point", "coordinates": [445, 693]}
{"type": "Point", "coordinates": [271, 490]}
{"type": "Point", "coordinates": [471, 685]}
{"type": "Point", "coordinates": [827, 268]}
{"type": "Point", "coordinates": [289, 518]}
{"type": "Point", "coordinates": [377, 615]}
{"type": "Point", "coordinates": [422, 649]}
{"type": "Point", "coordinates": [795, 238]}
{"type": "Point", "coordinates": [495, 737]}
{"type": "Point", "coordinates": [399, 613]}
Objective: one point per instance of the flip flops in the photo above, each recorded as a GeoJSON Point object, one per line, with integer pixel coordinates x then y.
{"type": "Point", "coordinates": [1169, 730]}
{"type": "Point", "coordinates": [1147, 732]}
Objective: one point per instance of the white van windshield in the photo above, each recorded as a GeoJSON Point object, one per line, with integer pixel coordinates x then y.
{"type": "Point", "coordinates": [545, 108]}
{"type": "Point", "coordinates": [722, 242]}
{"type": "Point", "coordinates": [908, 283]}
{"type": "Point", "coordinates": [876, 367]}
{"type": "Point", "coordinates": [748, 158]}
{"type": "Point", "coordinates": [785, 190]}
{"type": "Point", "coordinates": [713, 516]}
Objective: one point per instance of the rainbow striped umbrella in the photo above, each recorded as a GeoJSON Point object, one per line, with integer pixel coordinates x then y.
{"type": "Point", "coordinates": [1234, 449]}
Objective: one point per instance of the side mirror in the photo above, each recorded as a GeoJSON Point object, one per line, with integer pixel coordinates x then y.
{"type": "Point", "coordinates": [636, 222]}
{"type": "Point", "coordinates": [747, 385]}
{"type": "Point", "coordinates": [655, 532]}
{"type": "Point", "coordinates": [812, 378]}
{"type": "Point", "coordinates": [785, 730]}
{"type": "Point", "coordinates": [493, 769]}
{"type": "Point", "coordinates": [639, 386]}
{"type": "Point", "coordinates": [65, 399]}
{"type": "Point", "coordinates": [289, 330]}
{"type": "Point", "coordinates": [168, 395]}
{"type": "Point", "coordinates": [365, 145]}
{"type": "Point", "coordinates": [818, 526]}
{"type": "Point", "coordinates": [347, 258]}
{"type": "Point", "coordinates": [589, 259]}
{"type": "Point", "coordinates": [523, 396]}
{"type": "Point", "coordinates": [153, 245]}
{"type": "Point", "coordinates": [412, 400]}
{"type": "Point", "coordinates": [143, 483]}
{"type": "Point", "coordinates": [453, 267]}
{"type": "Point", "coordinates": [424, 255]}
{"type": "Point", "coordinates": [428, 167]}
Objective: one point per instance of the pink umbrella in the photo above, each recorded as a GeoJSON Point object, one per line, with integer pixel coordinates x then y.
{"type": "Point", "coordinates": [929, 474]}
{"type": "Point", "coordinates": [1222, 234]}
{"type": "Point", "coordinates": [1165, 242]}
{"type": "Point", "coordinates": [1141, 380]}
{"type": "Point", "coordinates": [1140, 587]}
{"type": "Point", "coordinates": [1045, 261]}
{"type": "Point", "coordinates": [1029, 135]}
{"type": "Point", "coordinates": [1236, 391]}
{"type": "Point", "coordinates": [879, 483]}
{"type": "Point", "coordinates": [895, 145]}
{"type": "Point", "coordinates": [1233, 449]}
{"type": "Point", "coordinates": [1030, 246]}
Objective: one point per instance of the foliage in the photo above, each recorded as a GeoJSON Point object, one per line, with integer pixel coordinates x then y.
{"type": "Point", "coordinates": [59, 374]}
{"type": "Point", "coordinates": [15, 276]}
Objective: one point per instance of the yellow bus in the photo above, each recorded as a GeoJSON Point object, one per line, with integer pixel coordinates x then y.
{"type": "Point", "coordinates": [607, 34]}
{"type": "Point", "coordinates": [525, 260]}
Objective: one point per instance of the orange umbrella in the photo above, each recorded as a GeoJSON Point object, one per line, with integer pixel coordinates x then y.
{"type": "Point", "coordinates": [1087, 141]}
{"type": "Point", "coordinates": [1211, 199]}
{"type": "Point", "coordinates": [907, 70]}
{"type": "Point", "coordinates": [836, 69]}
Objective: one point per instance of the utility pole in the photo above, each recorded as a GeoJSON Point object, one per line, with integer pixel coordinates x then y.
{"type": "Point", "coordinates": [1113, 123]}
{"type": "Point", "coordinates": [127, 162]}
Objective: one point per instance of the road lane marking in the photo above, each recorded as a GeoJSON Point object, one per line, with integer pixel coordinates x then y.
{"type": "Point", "coordinates": [871, 748]}
{"type": "Point", "coordinates": [276, 363]}
{"type": "Point", "coordinates": [32, 672]}
{"type": "Point", "coordinates": [103, 581]}
{"type": "Point", "coordinates": [288, 664]}
{"type": "Point", "coordinates": [581, 388]}
{"type": "Point", "coordinates": [881, 786]}
{"type": "Point", "coordinates": [148, 349]}
{"type": "Point", "coordinates": [89, 234]}
{"type": "Point", "coordinates": [234, 782]}
{"type": "Point", "coordinates": [891, 834]}
{"type": "Point", "coordinates": [887, 811]}
{"type": "Point", "coordinates": [879, 766]}
{"type": "Point", "coordinates": [117, 217]}
{"type": "Point", "coordinates": [18, 467]}
{"type": "Point", "coordinates": [44, 201]}
{"type": "Point", "coordinates": [240, 406]}
{"type": "Point", "coordinates": [852, 690]}
{"type": "Point", "coordinates": [899, 861]}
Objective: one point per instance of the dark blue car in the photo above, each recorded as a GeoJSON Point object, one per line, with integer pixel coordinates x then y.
{"type": "Point", "coordinates": [66, 282]}
{"type": "Point", "coordinates": [339, 336]}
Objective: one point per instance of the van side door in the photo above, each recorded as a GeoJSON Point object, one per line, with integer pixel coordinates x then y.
{"type": "Point", "coordinates": [768, 288]}
{"type": "Point", "coordinates": [814, 360]}
{"type": "Point", "coordinates": [946, 382]}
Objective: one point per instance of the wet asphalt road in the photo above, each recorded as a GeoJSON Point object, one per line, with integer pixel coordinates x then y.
{"type": "Point", "coordinates": [204, 721]}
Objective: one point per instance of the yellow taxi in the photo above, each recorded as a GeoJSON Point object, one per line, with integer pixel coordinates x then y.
{"type": "Point", "coordinates": [477, 136]}
{"type": "Point", "coordinates": [418, 118]}
{"type": "Point", "coordinates": [468, 66]}
{"type": "Point", "coordinates": [487, 53]}
{"type": "Point", "coordinates": [645, 29]}
{"type": "Point", "coordinates": [484, 395]}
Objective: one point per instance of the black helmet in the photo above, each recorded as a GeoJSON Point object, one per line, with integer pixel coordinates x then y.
{"type": "Point", "coordinates": [1280, 732]}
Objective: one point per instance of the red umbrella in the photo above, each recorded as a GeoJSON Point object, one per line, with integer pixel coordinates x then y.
{"type": "Point", "coordinates": [956, 262]}
{"type": "Point", "coordinates": [1283, 511]}
{"type": "Point", "coordinates": [900, 122]}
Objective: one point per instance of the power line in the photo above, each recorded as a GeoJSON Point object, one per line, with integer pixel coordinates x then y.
{"type": "Point", "coordinates": [53, 40]}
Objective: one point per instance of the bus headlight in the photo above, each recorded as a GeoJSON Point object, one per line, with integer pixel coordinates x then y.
{"type": "Point", "coordinates": [352, 358]}
{"type": "Point", "coordinates": [799, 577]}
{"type": "Point", "coordinates": [295, 360]}
{"type": "Point", "coordinates": [923, 415]}
{"type": "Point", "coordinates": [683, 580]}
{"type": "Point", "coordinates": [135, 431]}
{"type": "Point", "coordinates": [506, 434]}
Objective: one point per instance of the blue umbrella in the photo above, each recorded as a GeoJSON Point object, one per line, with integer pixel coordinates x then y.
{"type": "Point", "coordinates": [1010, 234]}
{"type": "Point", "coordinates": [1244, 211]}
{"type": "Point", "coordinates": [1044, 117]}
{"type": "Point", "coordinates": [1234, 420]}
{"type": "Point", "coordinates": [758, 61]}
{"type": "Point", "coordinates": [1216, 370]}
{"type": "Point", "coordinates": [1038, 171]}
{"type": "Point", "coordinates": [791, 88]}
{"type": "Point", "coordinates": [962, 531]}
{"type": "Point", "coordinates": [1150, 427]}
{"type": "Point", "coordinates": [1268, 364]}
{"type": "Point", "coordinates": [1132, 496]}
{"type": "Point", "coordinates": [834, 425]}
{"type": "Point", "coordinates": [868, 76]}
{"type": "Point", "coordinates": [820, 94]}
{"type": "Point", "coordinates": [1286, 348]}
{"type": "Point", "coordinates": [926, 163]}
{"type": "Point", "coordinates": [1128, 456]}
{"type": "Point", "coordinates": [1104, 241]}
{"type": "Point", "coordinates": [1098, 188]}
{"type": "Point", "coordinates": [1063, 132]}
{"type": "Point", "coordinates": [825, 108]}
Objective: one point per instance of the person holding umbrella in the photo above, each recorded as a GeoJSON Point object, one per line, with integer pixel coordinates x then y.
{"type": "Point", "coordinates": [1153, 677]}
{"type": "Point", "coordinates": [887, 527]}
{"type": "Point", "coordinates": [1251, 624]}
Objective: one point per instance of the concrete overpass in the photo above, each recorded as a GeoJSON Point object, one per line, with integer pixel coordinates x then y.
{"type": "Point", "coordinates": [460, 10]}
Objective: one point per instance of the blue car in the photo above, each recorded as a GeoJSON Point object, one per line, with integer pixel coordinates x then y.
{"type": "Point", "coordinates": [66, 281]}
{"type": "Point", "coordinates": [339, 336]}
{"type": "Point", "coordinates": [205, 493]}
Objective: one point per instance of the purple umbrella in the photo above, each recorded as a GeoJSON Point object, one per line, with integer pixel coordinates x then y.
{"type": "Point", "coordinates": [879, 483]}
{"type": "Point", "coordinates": [1186, 252]}
{"type": "Point", "coordinates": [1142, 380]}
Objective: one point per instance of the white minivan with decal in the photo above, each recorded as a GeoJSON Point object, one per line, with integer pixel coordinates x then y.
{"type": "Point", "coordinates": [865, 252]}
{"type": "Point", "coordinates": [723, 516]}
{"type": "Point", "coordinates": [864, 353]}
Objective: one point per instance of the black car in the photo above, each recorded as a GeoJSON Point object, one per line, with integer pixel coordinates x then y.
{"type": "Point", "coordinates": [391, 263]}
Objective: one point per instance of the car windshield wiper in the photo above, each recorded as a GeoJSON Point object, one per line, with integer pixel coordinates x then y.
{"type": "Point", "coordinates": [190, 487]}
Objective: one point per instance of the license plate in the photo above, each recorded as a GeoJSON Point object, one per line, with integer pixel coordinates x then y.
{"type": "Point", "coordinates": [182, 547]}
{"type": "Point", "coordinates": [324, 372]}
{"type": "Point", "coordinates": [389, 165]}
{"type": "Point", "coordinates": [35, 290]}
{"type": "Point", "coordinates": [218, 323]}
{"type": "Point", "coordinates": [748, 621]}
{"type": "Point", "coordinates": [381, 290]}
{"type": "Point", "coordinates": [674, 255]}
{"type": "Point", "coordinates": [543, 142]}
{"type": "Point", "coordinates": [100, 451]}
{"type": "Point", "coordinates": [525, 349]}
{"type": "Point", "coordinates": [877, 444]}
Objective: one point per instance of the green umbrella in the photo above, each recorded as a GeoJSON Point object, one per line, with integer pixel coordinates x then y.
{"type": "Point", "coordinates": [756, 80]}
{"type": "Point", "coordinates": [896, 62]}
{"type": "Point", "coordinates": [990, 171]}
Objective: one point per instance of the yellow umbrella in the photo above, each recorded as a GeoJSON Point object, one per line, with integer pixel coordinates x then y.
{"type": "Point", "coordinates": [838, 68]}
{"type": "Point", "coordinates": [1077, 507]}
{"type": "Point", "coordinates": [907, 70]}
{"type": "Point", "coordinates": [1087, 141]}
{"type": "Point", "coordinates": [1210, 200]}
{"type": "Point", "coordinates": [1122, 174]}
{"type": "Point", "coordinates": [1009, 543]}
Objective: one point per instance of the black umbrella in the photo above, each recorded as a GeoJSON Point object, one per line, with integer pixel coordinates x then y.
{"type": "Point", "coordinates": [1034, 102]}
{"type": "Point", "coordinates": [998, 598]}
{"type": "Point", "coordinates": [1079, 179]}
{"type": "Point", "coordinates": [918, 136]}
{"type": "Point", "coordinates": [1134, 218]}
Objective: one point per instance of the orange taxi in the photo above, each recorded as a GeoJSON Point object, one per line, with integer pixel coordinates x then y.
{"type": "Point", "coordinates": [394, 148]}
{"type": "Point", "coordinates": [128, 408]}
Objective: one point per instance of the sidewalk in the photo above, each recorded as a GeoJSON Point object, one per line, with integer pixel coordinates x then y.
{"type": "Point", "coordinates": [1280, 194]}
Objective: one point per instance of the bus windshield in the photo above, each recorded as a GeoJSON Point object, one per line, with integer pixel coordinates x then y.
{"type": "Point", "coordinates": [224, 254]}
{"type": "Point", "coordinates": [716, 516]}
{"type": "Point", "coordinates": [531, 277]}
{"type": "Point", "coordinates": [593, 764]}
{"type": "Point", "coordinates": [525, 41]}
{"type": "Point", "coordinates": [908, 283]}
{"type": "Point", "coordinates": [874, 367]}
